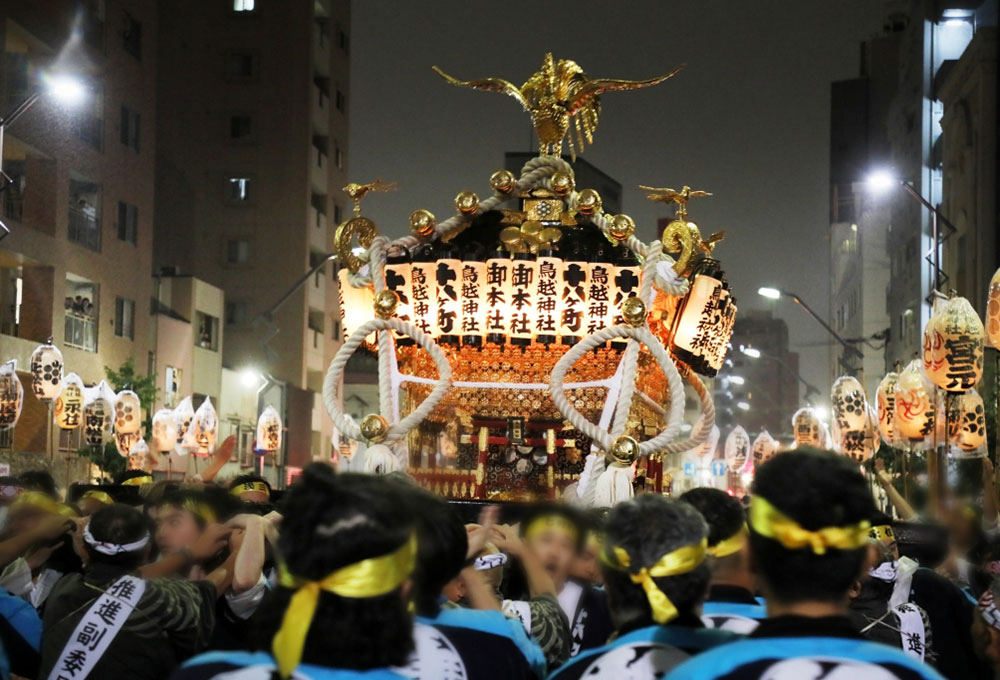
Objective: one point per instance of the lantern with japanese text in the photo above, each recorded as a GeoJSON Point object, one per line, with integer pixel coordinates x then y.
{"type": "Point", "coordinates": [806, 427]}
{"type": "Point", "coordinates": [140, 457]}
{"type": "Point", "coordinates": [423, 284]}
{"type": "Point", "coordinates": [953, 346]}
{"type": "Point", "coordinates": [859, 445]}
{"type": "Point", "coordinates": [355, 304]}
{"type": "Point", "coordinates": [472, 299]}
{"type": "Point", "coordinates": [69, 403]}
{"type": "Point", "coordinates": [164, 430]}
{"type": "Point", "coordinates": [885, 396]}
{"type": "Point", "coordinates": [764, 448]}
{"type": "Point", "coordinates": [128, 413]}
{"type": "Point", "coordinates": [98, 414]}
{"type": "Point", "coordinates": [46, 372]}
{"type": "Point", "coordinates": [11, 395]}
{"type": "Point", "coordinates": [966, 418]}
{"type": "Point", "coordinates": [200, 436]}
{"type": "Point", "coordinates": [737, 449]}
{"type": "Point", "coordinates": [850, 407]}
{"type": "Point", "coordinates": [124, 441]}
{"type": "Point", "coordinates": [183, 415]}
{"type": "Point", "coordinates": [704, 323]}
{"type": "Point", "coordinates": [915, 405]}
{"type": "Point", "coordinates": [268, 430]}
{"type": "Point", "coordinates": [398, 279]}
{"type": "Point", "coordinates": [993, 310]}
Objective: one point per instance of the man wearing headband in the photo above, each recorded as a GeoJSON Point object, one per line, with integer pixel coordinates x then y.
{"type": "Point", "coordinates": [252, 490]}
{"type": "Point", "coordinates": [110, 623]}
{"type": "Point", "coordinates": [731, 604]}
{"type": "Point", "coordinates": [656, 573]}
{"type": "Point", "coordinates": [347, 550]}
{"type": "Point", "coordinates": [809, 521]}
{"type": "Point", "coordinates": [557, 536]}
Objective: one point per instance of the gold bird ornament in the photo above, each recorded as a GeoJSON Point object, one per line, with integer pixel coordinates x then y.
{"type": "Point", "coordinates": [555, 95]}
{"type": "Point", "coordinates": [357, 192]}
{"type": "Point", "coordinates": [682, 236]}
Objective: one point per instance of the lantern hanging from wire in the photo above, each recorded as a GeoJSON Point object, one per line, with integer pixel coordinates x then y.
{"type": "Point", "coordinates": [966, 419]}
{"type": "Point", "coordinates": [764, 448]}
{"type": "Point", "coordinates": [11, 395]}
{"type": "Point", "coordinates": [268, 430]}
{"type": "Point", "coordinates": [704, 322]}
{"type": "Point", "coordinates": [98, 414]}
{"type": "Point", "coordinates": [953, 346]}
{"type": "Point", "coordinates": [128, 413]}
{"type": "Point", "coordinates": [69, 403]}
{"type": "Point", "coordinates": [806, 427]}
{"type": "Point", "coordinates": [164, 430]}
{"type": "Point", "coordinates": [46, 372]}
{"type": "Point", "coordinates": [200, 436]}
{"type": "Point", "coordinates": [916, 409]}
{"type": "Point", "coordinates": [737, 449]}
{"type": "Point", "coordinates": [850, 407]}
{"type": "Point", "coordinates": [993, 310]}
{"type": "Point", "coordinates": [885, 397]}
{"type": "Point", "coordinates": [183, 415]}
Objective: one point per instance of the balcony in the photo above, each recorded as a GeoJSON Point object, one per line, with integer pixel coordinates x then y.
{"type": "Point", "coordinates": [84, 229]}
{"type": "Point", "coordinates": [319, 162]}
{"type": "Point", "coordinates": [321, 105]}
{"type": "Point", "coordinates": [81, 332]}
{"type": "Point", "coordinates": [321, 47]}
{"type": "Point", "coordinates": [314, 349]}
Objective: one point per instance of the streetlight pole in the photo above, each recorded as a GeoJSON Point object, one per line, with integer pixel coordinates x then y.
{"type": "Point", "coordinates": [810, 388]}
{"type": "Point", "coordinates": [775, 293]}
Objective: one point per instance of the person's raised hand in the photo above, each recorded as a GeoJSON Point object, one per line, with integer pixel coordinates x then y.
{"type": "Point", "coordinates": [213, 539]}
{"type": "Point", "coordinates": [479, 534]}
{"type": "Point", "coordinates": [225, 450]}
{"type": "Point", "coordinates": [506, 538]}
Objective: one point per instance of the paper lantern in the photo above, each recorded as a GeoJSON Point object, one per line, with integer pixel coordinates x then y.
{"type": "Point", "coordinates": [124, 441]}
{"type": "Point", "coordinates": [200, 436]}
{"type": "Point", "coordinates": [46, 373]}
{"type": "Point", "coordinates": [164, 430]}
{"type": "Point", "coordinates": [128, 412]}
{"type": "Point", "coordinates": [860, 445]}
{"type": "Point", "coordinates": [806, 427]}
{"type": "Point", "coordinates": [356, 304]}
{"type": "Point", "coordinates": [573, 298]}
{"type": "Point", "coordinates": [139, 456]}
{"type": "Point", "coordinates": [626, 281]}
{"type": "Point", "coordinates": [885, 396]}
{"type": "Point", "coordinates": [523, 277]}
{"type": "Point", "coordinates": [953, 346]}
{"type": "Point", "coordinates": [737, 449]}
{"type": "Point", "coordinates": [423, 277]}
{"type": "Point", "coordinates": [397, 279]}
{"type": "Point", "coordinates": [707, 447]}
{"type": "Point", "coordinates": [993, 310]}
{"type": "Point", "coordinates": [447, 273]}
{"type": "Point", "coordinates": [850, 407]}
{"type": "Point", "coordinates": [183, 415]}
{"type": "Point", "coordinates": [599, 310]}
{"type": "Point", "coordinates": [764, 448]}
{"type": "Point", "coordinates": [268, 430]}
{"type": "Point", "coordinates": [548, 307]}
{"type": "Point", "coordinates": [69, 404]}
{"type": "Point", "coordinates": [98, 414]}
{"type": "Point", "coordinates": [966, 418]}
{"type": "Point", "coordinates": [473, 301]}
{"type": "Point", "coordinates": [704, 322]}
{"type": "Point", "coordinates": [915, 406]}
{"type": "Point", "coordinates": [11, 395]}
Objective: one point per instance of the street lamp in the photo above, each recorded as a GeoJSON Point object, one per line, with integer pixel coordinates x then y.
{"type": "Point", "coordinates": [743, 406]}
{"type": "Point", "coordinates": [751, 352]}
{"type": "Point", "coordinates": [776, 293]}
{"type": "Point", "coordinates": [737, 379]}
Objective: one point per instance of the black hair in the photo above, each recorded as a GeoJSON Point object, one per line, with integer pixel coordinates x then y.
{"type": "Point", "coordinates": [546, 508]}
{"type": "Point", "coordinates": [39, 480]}
{"type": "Point", "coordinates": [723, 513]}
{"type": "Point", "coordinates": [441, 539]}
{"type": "Point", "coordinates": [330, 522]}
{"type": "Point", "coordinates": [9, 480]}
{"type": "Point", "coordinates": [188, 498]}
{"type": "Point", "coordinates": [647, 528]}
{"type": "Point", "coordinates": [117, 523]}
{"type": "Point", "coordinates": [879, 519]}
{"type": "Point", "coordinates": [816, 489]}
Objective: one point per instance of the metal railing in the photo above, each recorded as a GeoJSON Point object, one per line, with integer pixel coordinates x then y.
{"type": "Point", "coordinates": [81, 332]}
{"type": "Point", "coordinates": [84, 229]}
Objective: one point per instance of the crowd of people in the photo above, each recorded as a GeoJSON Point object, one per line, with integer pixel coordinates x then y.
{"type": "Point", "coordinates": [364, 576]}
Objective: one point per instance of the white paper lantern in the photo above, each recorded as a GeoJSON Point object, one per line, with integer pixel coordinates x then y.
{"type": "Point", "coordinates": [128, 413]}
{"type": "Point", "coordinates": [523, 283]}
{"type": "Point", "coordinates": [200, 436]}
{"type": "Point", "coordinates": [599, 312]}
{"type": "Point", "coordinates": [46, 373]}
{"type": "Point", "coordinates": [850, 406]}
{"type": "Point", "coordinates": [953, 346]}
{"type": "Point", "coordinates": [473, 300]}
{"type": "Point", "coordinates": [124, 441]}
{"type": "Point", "coordinates": [704, 322]}
{"type": "Point", "coordinates": [183, 415]}
{"type": "Point", "coordinates": [707, 447]}
{"type": "Point", "coordinates": [11, 395]}
{"type": "Point", "coordinates": [164, 430]}
{"type": "Point", "coordinates": [915, 406]}
{"type": "Point", "coordinates": [98, 414]}
{"type": "Point", "coordinates": [448, 274]}
{"type": "Point", "coordinates": [397, 279]}
{"type": "Point", "coordinates": [548, 301]}
{"type": "Point", "coordinates": [966, 417]}
{"type": "Point", "coordinates": [269, 430]}
{"type": "Point", "coordinates": [69, 403]}
{"type": "Point", "coordinates": [885, 396]}
{"type": "Point", "coordinates": [423, 283]}
{"type": "Point", "coordinates": [806, 427]}
{"type": "Point", "coordinates": [993, 310]}
{"type": "Point", "coordinates": [573, 299]}
{"type": "Point", "coordinates": [139, 456]}
{"type": "Point", "coordinates": [497, 295]}
{"type": "Point", "coordinates": [764, 448]}
{"type": "Point", "coordinates": [626, 281]}
{"type": "Point", "coordinates": [356, 305]}
{"type": "Point", "coordinates": [737, 449]}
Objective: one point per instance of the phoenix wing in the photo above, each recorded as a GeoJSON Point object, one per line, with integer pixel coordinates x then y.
{"type": "Point", "coordinates": [490, 84]}
{"type": "Point", "coordinates": [593, 88]}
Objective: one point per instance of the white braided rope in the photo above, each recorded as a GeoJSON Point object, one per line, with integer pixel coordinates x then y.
{"type": "Point", "coordinates": [706, 421]}
{"type": "Point", "coordinates": [603, 438]}
{"type": "Point", "coordinates": [386, 345]}
{"type": "Point", "coordinates": [334, 374]}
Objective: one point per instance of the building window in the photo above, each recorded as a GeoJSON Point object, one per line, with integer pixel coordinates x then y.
{"type": "Point", "coordinates": [244, 5]}
{"type": "Point", "coordinates": [338, 157]}
{"type": "Point", "coordinates": [236, 312]}
{"type": "Point", "coordinates": [84, 213]}
{"type": "Point", "coordinates": [128, 222]}
{"type": "Point", "coordinates": [132, 36]}
{"type": "Point", "coordinates": [336, 213]}
{"type": "Point", "coordinates": [81, 305]}
{"type": "Point", "coordinates": [208, 331]}
{"type": "Point", "coordinates": [240, 128]}
{"type": "Point", "coordinates": [125, 318]}
{"type": "Point", "coordinates": [341, 100]}
{"type": "Point", "coordinates": [341, 38]}
{"type": "Point", "coordinates": [237, 189]}
{"type": "Point", "coordinates": [237, 251]}
{"type": "Point", "coordinates": [88, 120]}
{"type": "Point", "coordinates": [171, 386]}
{"type": "Point", "coordinates": [129, 132]}
{"type": "Point", "coordinates": [241, 66]}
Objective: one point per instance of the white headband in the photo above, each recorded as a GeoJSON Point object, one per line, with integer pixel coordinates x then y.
{"type": "Point", "coordinates": [113, 548]}
{"type": "Point", "coordinates": [491, 561]}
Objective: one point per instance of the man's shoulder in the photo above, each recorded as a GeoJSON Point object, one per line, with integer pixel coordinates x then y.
{"type": "Point", "coordinates": [461, 622]}
{"type": "Point", "coordinates": [261, 666]}
{"type": "Point", "coordinates": [628, 657]}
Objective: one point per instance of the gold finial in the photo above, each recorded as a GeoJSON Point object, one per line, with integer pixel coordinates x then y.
{"type": "Point", "coordinates": [357, 192]}
{"type": "Point", "coordinates": [624, 450]}
{"type": "Point", "coordinates": [422, 223]}
{"type": "Point", "coordinates": [385, 303]}
{"type": "Point", "coordinates": [634, 311]}
{"type": "Point", "coordinates": [503, 181]}
{"type": "Point", "coordinates": [669, 196]}
{"type": "Point", "coordinates": [682, 236]}
{"type": "Point", "coordinates": [620, 228]}
{"type": "Point", "coordinates": [562, 183]}
{"type": "Point", "coordinates": [557, 94]}
{"type": "Point", "coordinates": [374, 428]}
{"type": "Point", "coordinates": [588, 202]}
{"type": "Point", "coordinates": [467, 203]}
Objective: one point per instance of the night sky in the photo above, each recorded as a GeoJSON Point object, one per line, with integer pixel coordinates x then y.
{"type": "Point", "coordinates": [748, 119]}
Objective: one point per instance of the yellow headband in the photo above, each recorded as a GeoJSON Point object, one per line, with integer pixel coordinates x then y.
{"type": "Point", "coordinates": [138, 481]}
{"type": "Point", "coordinates": [367, 578]}
{"type": "Point", "coordinates": [247, 487]}
{"type": "Point", "coordinates": [679, 561]}
{"type": "Point", "coordinates": [728, 546]}
{"type": "Point", "coordinates": [771, 523]}
{"type": "Point", "coordinates": [882, 532]}
{"type": "Point", "coordinates": [595, 539]}
{"type": "Point", "coordinates": [199, 509]}
{"type": "Point", "coordinates": [37, 499]}
{"type": "Point", "coordinates": [100, 496]}
{"type": "Point", "coordinates": [551, 522]}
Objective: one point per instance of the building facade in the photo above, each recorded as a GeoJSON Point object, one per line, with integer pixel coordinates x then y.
{"type": "Point", "coordinates": [253, 155]}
